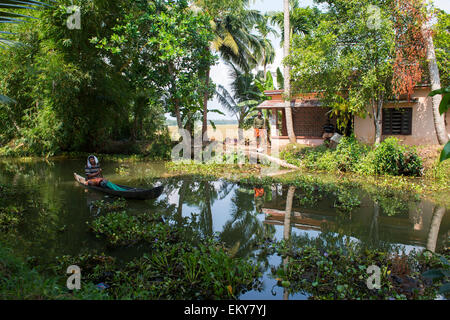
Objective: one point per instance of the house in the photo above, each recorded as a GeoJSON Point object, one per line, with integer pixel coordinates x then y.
{"type": "Point", "coordinates": [409, 120]}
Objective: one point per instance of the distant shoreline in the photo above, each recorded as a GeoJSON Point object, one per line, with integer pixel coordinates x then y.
{"type": "Point", "coordinates": [171, 123]}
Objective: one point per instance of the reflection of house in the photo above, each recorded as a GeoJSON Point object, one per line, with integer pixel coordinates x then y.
{"type": "Point", "coordinates": [422, 224]}
{"type": "Point", "coordinates": [411, 121]}
{"type": "Point", "coordinates": [300, 220]}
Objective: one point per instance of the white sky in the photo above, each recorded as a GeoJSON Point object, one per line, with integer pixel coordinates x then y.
{"type": "Point", "coordinates": [219, 72]}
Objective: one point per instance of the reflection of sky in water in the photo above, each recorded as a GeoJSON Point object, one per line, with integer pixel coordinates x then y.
{"type": "Point", "coordinates": [63, 198]}
{"type": "Point", "coordinates": [221, 214]}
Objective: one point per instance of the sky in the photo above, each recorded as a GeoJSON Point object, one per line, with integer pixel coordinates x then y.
{"type": "Point", "coordinates": [219, 72]}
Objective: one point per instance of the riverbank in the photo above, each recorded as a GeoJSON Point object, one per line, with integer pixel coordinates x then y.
{"type": "Point", "coordinates": [434, 187]}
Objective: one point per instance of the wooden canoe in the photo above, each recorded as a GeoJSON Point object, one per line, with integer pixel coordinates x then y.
{"type": "Point", "coordinates": [130, 193]}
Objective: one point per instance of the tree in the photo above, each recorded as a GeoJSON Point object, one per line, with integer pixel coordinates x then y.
{"type": "Point", "coordinates": [414, 42]}
{"type": "Point", "coordinates": [301, 20]}
{"type": "Point", "coordinates": [170, 46]}
{"type": "Point", "coordinates": [347, 59]}
{"type": "Point", "coordinates": [287, 76]}
{"type": "Point", "coordinates": [267, 53]}
{"type": "Point", "coordinates": [14, 17]}
{"type": "Point", "coordinates": [444, 106]}
{"type": "Point", "coordinates": [244, 98]}
{"type": "Point", "coordinates": [232, 26]}
{"type": "Point", "coordinates": [442, 46]}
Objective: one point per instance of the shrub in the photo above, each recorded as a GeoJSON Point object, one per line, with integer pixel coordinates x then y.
{"type": "Point", "coordinates": [348, 153]}
{"type": "Point", "coordinates": [390, 157]}
{"type": "Point", "coordinates": [394, 159]}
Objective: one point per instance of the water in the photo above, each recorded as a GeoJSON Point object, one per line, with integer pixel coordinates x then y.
{"type": "Point", "coordinates": [57, 209]}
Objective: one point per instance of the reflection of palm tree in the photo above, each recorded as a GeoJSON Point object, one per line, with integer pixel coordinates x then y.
{"type": "Point", "coordinates": [287, 228]}
{"type": "Point", "coordinates": [202, 194]}
{"type": "Point", "coordinates": [439, 213]}
{"type": "Point", "coordinates": [244, 227]}
{"type": "Point", "coordinates": [374, 225]}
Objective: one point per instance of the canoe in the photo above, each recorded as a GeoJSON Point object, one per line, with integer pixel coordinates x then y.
{"type": "Point", "coordinates": [130, 193]}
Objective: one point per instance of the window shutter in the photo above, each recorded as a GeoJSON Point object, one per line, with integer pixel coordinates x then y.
{"type": "Point", "coordinates": [397, 121]}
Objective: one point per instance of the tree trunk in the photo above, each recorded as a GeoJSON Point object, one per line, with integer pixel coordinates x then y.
{"type": "Point", "coordinates": [178, 114]}
{"type": "Point", "coordinates": [439, 213]}
{"type": "Point", "coordinates": [439, 122]}
{"type": "Point", "coordinates": [240, 134]}
{"type": "Point", "coordinates": [205, 108]}
{"type": "Point", "coordinates": [287, 76]}
{"type": "Point", "coordinates": [377, 108]}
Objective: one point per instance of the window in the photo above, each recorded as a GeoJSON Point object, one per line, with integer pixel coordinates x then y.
{"type": "Point", "coordinates": [397, 121]}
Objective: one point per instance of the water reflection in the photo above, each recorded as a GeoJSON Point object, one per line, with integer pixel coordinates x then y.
{"type": "Point", "coordinates": [242, 216]}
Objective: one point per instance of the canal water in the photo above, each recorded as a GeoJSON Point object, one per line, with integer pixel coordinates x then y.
{"type": "Point", "coordinates": [57, 209]}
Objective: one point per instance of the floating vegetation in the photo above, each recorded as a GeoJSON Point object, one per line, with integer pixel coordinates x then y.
{"type": "Point", "coordinates": [120, 228]}
{"type": "Point", "coordinates": [107, 206]}
{"type": "Point", "coordinates": [334, 267]}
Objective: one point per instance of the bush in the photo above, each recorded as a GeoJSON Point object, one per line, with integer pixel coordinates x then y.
{"type": "Point", "coordinates": [348, 153]}
{"type": "Point", "coordinates": [390, 157]}
{"type": "Point", "coordinates": [394, 159]}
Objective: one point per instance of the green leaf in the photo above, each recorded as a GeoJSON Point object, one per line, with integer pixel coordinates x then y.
{"type": "Point", "coordinates": [445, 154]}
{"type": "Point", "coordinates": [439, 91]}
{"type": "Point", "coordinates": [433, 274]}
{"type": "Point", "coordinates": [444, 261]}
{"type": "Point", "coordinates": [445, 288]}
{"type": "Point", "coordinates": [445, 103]}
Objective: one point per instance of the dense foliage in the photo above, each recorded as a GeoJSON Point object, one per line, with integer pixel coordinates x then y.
{"type": "Point", "coordinates": [334, 267]}
{"type": "Point", "coordinates": [390, 157]}
{"type": "Point", "coordinates": [74, 91]}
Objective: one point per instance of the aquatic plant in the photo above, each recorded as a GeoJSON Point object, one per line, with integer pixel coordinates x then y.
{"type": "Point", "coordinates": [120, 228]}
{"type": "Point", "coordinates": [335, 267]}
{"type": "Point", "coordinates": [108, 206]}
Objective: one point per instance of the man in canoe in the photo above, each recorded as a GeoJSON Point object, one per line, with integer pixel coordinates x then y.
{"type": "Point", "coordinates": [94, 175]}
{"type": "Point", "coordinates": [93, 172]}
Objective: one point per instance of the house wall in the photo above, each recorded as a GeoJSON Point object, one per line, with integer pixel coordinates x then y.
{"type": "Point", "coordinates": [423, 132]}
{"type": "Point", "coordinates": [310, 121]}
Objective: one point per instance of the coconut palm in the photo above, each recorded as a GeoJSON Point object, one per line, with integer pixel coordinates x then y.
{"type": "Point", "coordinates": [439, 122]}
{"type": "Point", "coordinates": [244, 98]}
{"type": "Point", "coordinates": [234, 40]}
{"type": "Point", "coordinates": [287, 75]}
{"type": "Point", "coordinates": [301, 20]}
{"type": "Point", "coordinates": [267, 54]}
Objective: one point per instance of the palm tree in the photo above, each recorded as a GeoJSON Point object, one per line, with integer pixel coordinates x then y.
{"type": "Point", "coordinates": [439, 122]}
{"type": "Point", "coordinates": [244, 98]}
{"type": "Point", "coordinates": [287, 76]}
{"type": "Point", "coordinates": [234, 40]}
{"type": "Point", "coordinates": [301, 20]}
{"type": "Point", "coordinates": [267, 55]}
